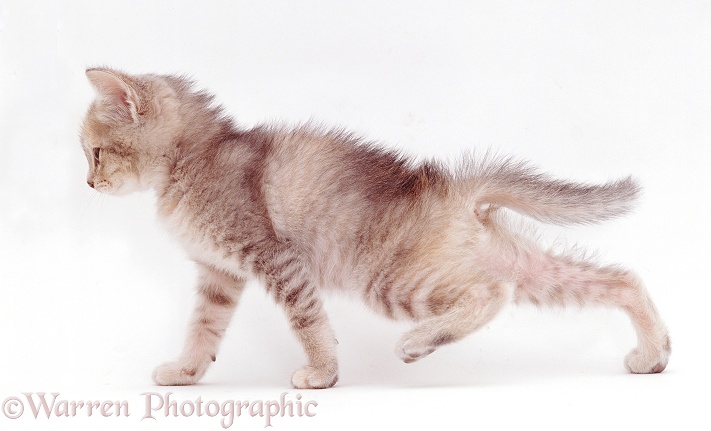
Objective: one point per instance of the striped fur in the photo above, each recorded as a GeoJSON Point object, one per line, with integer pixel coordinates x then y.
{"type": "Point", "coordinates": [305, 210]}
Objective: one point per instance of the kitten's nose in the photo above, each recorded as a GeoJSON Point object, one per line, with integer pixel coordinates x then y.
{"type": "Point", "coordinates": [91, 183]}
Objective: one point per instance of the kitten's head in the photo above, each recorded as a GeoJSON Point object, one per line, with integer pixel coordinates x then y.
{"type": "Point", "coordinates": [128, 131]}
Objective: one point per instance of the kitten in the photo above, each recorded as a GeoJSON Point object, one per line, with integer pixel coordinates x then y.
{"type": "Point", "coordinates": [304, 210]}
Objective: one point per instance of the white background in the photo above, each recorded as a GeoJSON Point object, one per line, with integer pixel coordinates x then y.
{"type": "Point", "coordinates": [94, 294]}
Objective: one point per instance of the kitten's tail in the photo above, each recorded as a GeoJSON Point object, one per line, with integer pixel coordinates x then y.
{"type": "Point", "coordinates": [519, 187]}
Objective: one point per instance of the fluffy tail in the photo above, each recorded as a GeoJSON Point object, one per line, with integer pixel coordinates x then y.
{"type": "Point", "coordinates": [519, 187]}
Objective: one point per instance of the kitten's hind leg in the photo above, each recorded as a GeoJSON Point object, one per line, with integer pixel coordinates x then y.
{"type": "Point", "coordinates": [457, 313]}
{"type": "Point", "coordinates": [218, 294]}
{"type": "Point", "coordinates": [551, 279]}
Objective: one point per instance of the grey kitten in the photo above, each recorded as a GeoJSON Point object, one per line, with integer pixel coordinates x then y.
{"type": "Point", "coordinates": [304, 210]}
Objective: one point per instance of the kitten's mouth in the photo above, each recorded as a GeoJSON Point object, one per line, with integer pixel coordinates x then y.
{"type": "Point", "coordinates": [103, 187]}
{"type": "Point", "coordinates": [114, 188]}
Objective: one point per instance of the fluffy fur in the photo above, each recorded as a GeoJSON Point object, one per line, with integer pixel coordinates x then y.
{"type": "Point", "coordinates": [304, 210]}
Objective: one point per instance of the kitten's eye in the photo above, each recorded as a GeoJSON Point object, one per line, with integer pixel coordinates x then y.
{"type": "Point", "coordinates": [97, 153]}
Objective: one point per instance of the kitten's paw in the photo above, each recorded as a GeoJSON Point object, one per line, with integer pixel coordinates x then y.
{"type": "Point", "coordinates": [314, 378]}
{"type": "Point", "coordinates": [176, 374]}
{"type": "Point", "coordinates": [641, 361]}
{"type": "Point", "coordinates": [409, 351]}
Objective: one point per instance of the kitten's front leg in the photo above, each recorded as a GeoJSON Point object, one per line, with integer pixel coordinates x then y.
{"type": "Point", "coordinates": [218, 294]}
{"type": "Point", "coordinates": [310, 324]}
{"type": "Point", "coordinates": [291, 287]}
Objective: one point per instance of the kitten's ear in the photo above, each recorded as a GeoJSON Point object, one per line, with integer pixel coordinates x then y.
{"type": "Point", "coordinates": [122, 98]}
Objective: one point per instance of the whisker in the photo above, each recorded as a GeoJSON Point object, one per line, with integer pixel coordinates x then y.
{"type": "Point", "coordinates": [88, 204]}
